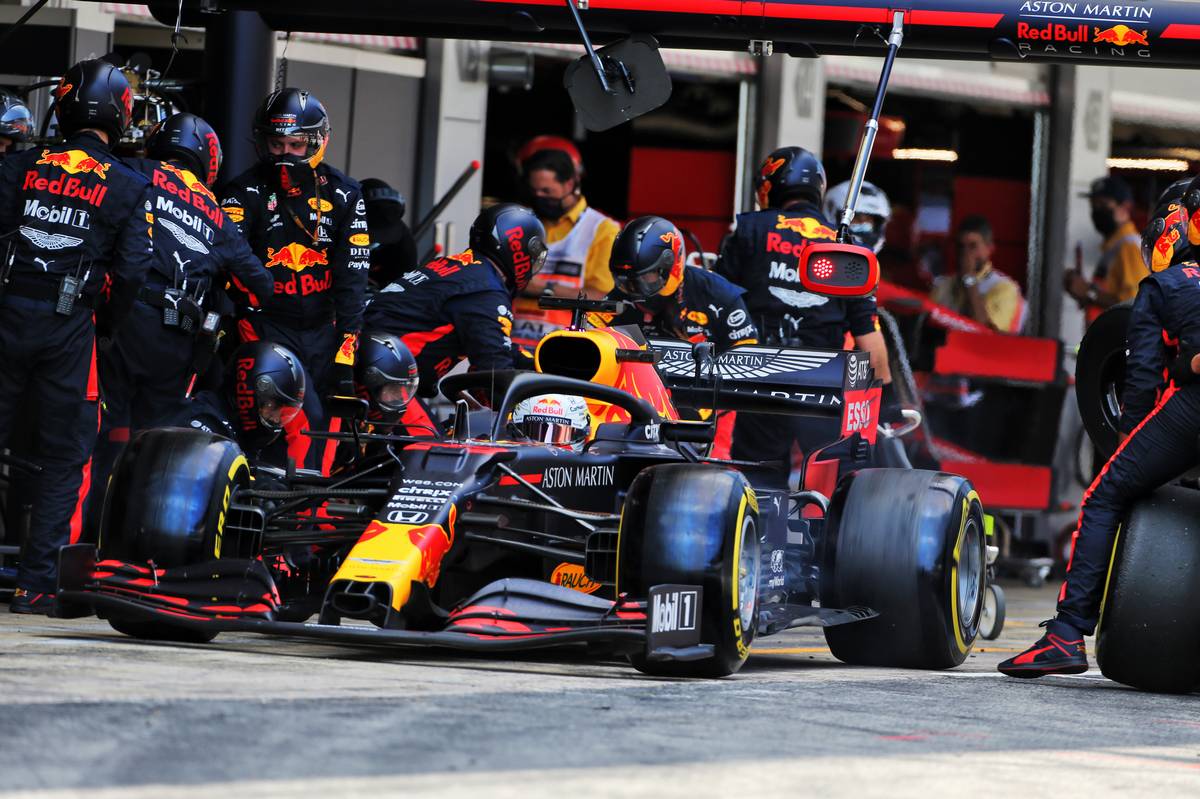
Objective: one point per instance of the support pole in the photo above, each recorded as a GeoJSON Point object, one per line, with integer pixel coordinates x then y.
{"type": "Point", "coordinates": [239, 62]}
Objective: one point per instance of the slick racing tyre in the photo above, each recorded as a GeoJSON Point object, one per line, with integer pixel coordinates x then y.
{"type": "Point", "coordinates": [908, 544]}
{"type": "Point", "coordinates": [695, 524]}
{"type": "Point", "coordinates": [1100, 379]}
{"type": "Point", "coordinates": [168, 497]}
{"type": "Point", "coordinates": [166, 502]}
{"type": "Point", "coordinates": [1149, 634]}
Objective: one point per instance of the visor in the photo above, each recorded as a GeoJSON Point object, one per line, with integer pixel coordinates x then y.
{"type": "Point", "coordinates": [394, 395]}
{"type": "Point", "coordinates": [16, 123]}
{"type": "Point", "coordinates": [647, 282]}
{"type": "Point", "coordinates": [552, 432]}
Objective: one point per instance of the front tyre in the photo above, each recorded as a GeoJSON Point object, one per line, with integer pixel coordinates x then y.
{"type": "Point", "coordinates": [910, 545]}
{"type": "Point", "coordinates": [695, 524]}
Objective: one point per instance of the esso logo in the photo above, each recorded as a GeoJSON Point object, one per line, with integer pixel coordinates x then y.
{"type": "Point", "coordinates": [858, 416]}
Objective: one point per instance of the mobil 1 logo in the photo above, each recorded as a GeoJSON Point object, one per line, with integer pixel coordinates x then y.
{"type": "Point", "coordinates": [673, 616]}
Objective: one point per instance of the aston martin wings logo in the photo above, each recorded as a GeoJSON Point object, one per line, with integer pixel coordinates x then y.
{"type": "Point", "coordinates": [736, 365]}
{"type": "Point", "coordinates": [183, 237]}
{"type": "Point", "coordinates": [740, 363]}
{"type": "Point", "coordinates": [49, 241]}
{"type": "Point", "coordinates": [797, 299]}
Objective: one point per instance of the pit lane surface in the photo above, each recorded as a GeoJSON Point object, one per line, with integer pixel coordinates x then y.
{"type": "Point", "coordinates": [87, 712]}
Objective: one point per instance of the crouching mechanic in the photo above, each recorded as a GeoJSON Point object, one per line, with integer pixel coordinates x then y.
{"type": "Point", "coordinates": [763, 255]}
{"type": "Point", "coordinates": [1159, 425]}
{"type": "Point", "coordinates": [262, 393]}
{"type": "Point", "coordinates": [668, 298]}
{"type": "Point", "coordinates": [460, 306]}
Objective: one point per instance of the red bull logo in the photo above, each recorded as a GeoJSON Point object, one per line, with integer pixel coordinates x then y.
{"type": "Point", "coordinates": [771, 165]}
{"type": "Point", "coordinates": [465, 257]}
{"type": "Point", "coordinates": [1121, 36]}
{"type": "Point", "coordinates": [63, 89]}
{"type": "Point", "coordinates": [547, 406]}
{"type": "Point", "coordinates": [520, 259]}
{"type": "Point", "coordinates": [191, 181]}
{"type": "Point", "coordinates": [296, 257]}
{"type": "Point", "coordinates": [345, 353]}
{"type": "Point", "coordinates": [75, 162]}
{"type": "Point", "coordinates": [806, 226]}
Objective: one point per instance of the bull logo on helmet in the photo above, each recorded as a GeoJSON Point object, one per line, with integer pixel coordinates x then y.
{"type": "Point", "coordinates": [771, 165]}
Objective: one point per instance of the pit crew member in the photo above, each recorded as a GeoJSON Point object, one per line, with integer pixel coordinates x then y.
{"type": "Point", "coordinates": [459, 306]}
{"type": "Point", "coordinates": [76, 224]}
{"type": "Point", "coordinates": [980, 291]}
{"type": "Point", "coordinates": [307, 222]}
{"type": "Point", "coordinates": [871, 213]}
{"type": "Point", "coordinates": [1121, 268]}
{"type": "Point", "coordinates": [667, 298]}
{"type": "Point", "coordinates": [580, 238]}
{"type": "Point", "coordinates": [762, 255]}
{"type": "Point", "coordinates": [1160, 421]}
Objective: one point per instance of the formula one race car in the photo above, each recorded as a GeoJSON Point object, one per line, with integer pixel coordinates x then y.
{"type": "Point", "coordinates": [484, 541]}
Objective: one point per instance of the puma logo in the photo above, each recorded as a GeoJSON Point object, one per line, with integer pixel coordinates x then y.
{"type": "Point", "coordinates": [182, 263]}
{"type": "Point", "coordinates": [344, 194]}
{"type": "Point", "coordinates": [45, 264]}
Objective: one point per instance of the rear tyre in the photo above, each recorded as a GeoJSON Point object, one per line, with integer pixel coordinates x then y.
{"type": "Point", "coordinates": [166, 503]}
{"type": "Point", "coordinates": [695, 524]}
{"type": "Point", "coordinates": [911, 546]}
{"type": "Point", "coordinates": [1100, 379]}
{"type": "Point", "coordinates": [1149, 635]}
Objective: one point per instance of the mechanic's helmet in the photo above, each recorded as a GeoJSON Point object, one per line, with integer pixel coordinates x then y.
{"type": "Point", "coordinates": [647, 258]}
{"type": "Point", "coordinates": [94, 94]}
{"type": "Point", "coordinates": [1191, 206]}
{"type": "Point", "coordinates": [16, 123]}
{"type": "Point", "coordinates": [386, 368]}
{"type": "Point", "coordinates": [513, 239]}
{"type": "Point", "coordinates": [560, 419]}
{"type": "Point", "coordinates": [542, 143]}
{"type": "Point", "coordinates": [1165, 238]}
{"type": "Point", "coordinates": [872, 202]}
{"type": "Point", "coordinates": [189, 139]}
{"type": "Point", "coordinates": [292, 112]}
{"type": "Point", "coordinates": [265, 384]}
{"type": "Point", "coordinates": [787, 174]}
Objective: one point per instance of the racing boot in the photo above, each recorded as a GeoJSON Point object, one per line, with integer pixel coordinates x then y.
{"type": "Point", "coordinates": [1059, 651]}
{"type": "Point", "coordinates": [30, 602]}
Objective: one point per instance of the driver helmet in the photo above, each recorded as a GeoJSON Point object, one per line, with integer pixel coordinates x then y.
{"type": "Point", "coordinates": [265, 385]}
{"type": "Point", "coordinates": [1165, 238]}
{"type": "Point", "coordinates": [871, 212]}
{"type": "Point", "coordinates": [560, 419]}
{"type": "Point", "coordinates": [386, 368]}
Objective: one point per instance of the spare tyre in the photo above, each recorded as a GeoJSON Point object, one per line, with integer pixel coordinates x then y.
{"type": "Point", "coordinates": [1149, 632]}
{"type": "Point", "coordinates": [1100, 378]}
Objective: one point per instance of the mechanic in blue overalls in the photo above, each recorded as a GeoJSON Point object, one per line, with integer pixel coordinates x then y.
{"type": "Point", "coordinates": [76, 227]}
{"type": "Point", "coordinates": [762, 255]}
{"type": "Point", "coordinates": [1160, 420]}
{"type": "Point", "coordinates": [460, 306]}
{"type": "Point", "coordinates": [665, 297]}
{"type": "Point", "coordinates": [264, 387]}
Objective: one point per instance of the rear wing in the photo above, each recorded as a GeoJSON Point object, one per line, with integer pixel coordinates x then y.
{"type": "Point", "coordinates": [831, 384]}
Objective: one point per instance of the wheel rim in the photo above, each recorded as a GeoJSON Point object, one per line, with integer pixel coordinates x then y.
{"type": "Point", "coordinates": [748, 566]}
{"type": "Point", "coordinates": [970, 574]}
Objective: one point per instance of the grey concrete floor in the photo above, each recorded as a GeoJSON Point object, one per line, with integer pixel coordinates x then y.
{"type": "Point", "coordinates": [87, 712]}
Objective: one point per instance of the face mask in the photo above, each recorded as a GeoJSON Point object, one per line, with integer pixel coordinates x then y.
{"type": "Point", "coordinates": [1102, 220]}
{"type": "Point", "coordinates": [548, 207]}
{"type": "Point", "coordinates": [295, 177]}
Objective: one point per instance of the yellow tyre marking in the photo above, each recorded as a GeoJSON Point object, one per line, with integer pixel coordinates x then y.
{"type": "Point", "coordinates": [1112, 560]}
{"type": "Point", "coordinates": [971, 496]}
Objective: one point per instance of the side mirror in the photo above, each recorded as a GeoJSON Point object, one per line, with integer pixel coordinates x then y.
{"type": "Point", "coordinates": [839, 270]}
{"type": "Point", "coordinates": [347, 408]}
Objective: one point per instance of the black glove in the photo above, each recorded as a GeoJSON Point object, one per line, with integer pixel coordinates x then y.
{"type": "Point", "coordinates": [1181, 368]}
{"type": "Point", "coordinates": [890, 411]}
